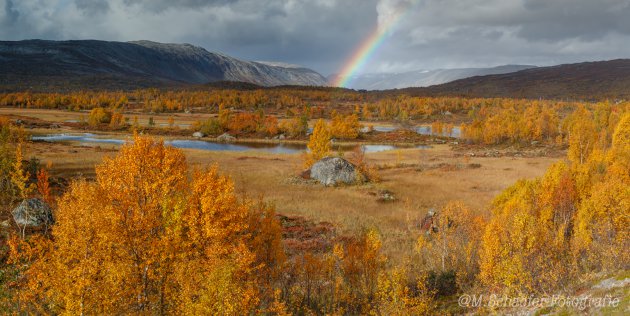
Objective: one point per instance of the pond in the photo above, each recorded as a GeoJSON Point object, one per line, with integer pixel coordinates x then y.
{"type": "Point", "coordinates": [422, 130]}
{"type": "Point", "coordinates": [278, 148]}
{"type": "Point", "coordinates": [427, 130]}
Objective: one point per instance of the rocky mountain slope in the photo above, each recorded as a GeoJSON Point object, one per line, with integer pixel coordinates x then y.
{"type": "Point", "coordinates": [34, 62]}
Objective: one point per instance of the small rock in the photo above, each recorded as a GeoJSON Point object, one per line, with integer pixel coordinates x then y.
{"type": "Point", "coordinates": [335, 170]}
{"type": "Point", "coordinates": [33, 213]}
{"type": "Point", "coordinates": [226, 138]}
{"type": "Point", "coordinates": [198, 134]}
{"type": "Point", "coordinates": [386, 196]}
{"type": "Point", "coordinates": [611, 283]}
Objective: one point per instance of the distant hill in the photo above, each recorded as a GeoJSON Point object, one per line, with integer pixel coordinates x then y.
{"type": "Point", "coordinates": [135, 64]}
{"type": "Point", "coordinates": [423, 78]}
{"type": "Point", "coordinates": [584, 81]}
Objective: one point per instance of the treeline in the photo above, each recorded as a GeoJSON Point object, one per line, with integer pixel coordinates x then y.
{"type": "Point", "coordinates": [269, 112]}
{"type": "Point", "coordinates": [501, 123]}
{"type": "Point", "coordinates": [237, 123]}
{"type": "Point", "coordinates": [285, 102]}
{"type": "Point", "coordinates": [541, 122]}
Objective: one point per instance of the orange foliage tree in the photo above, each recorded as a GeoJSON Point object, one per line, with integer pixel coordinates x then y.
{"type": "Point", "coordinates": [344, 127]}
{"type": "Point", "coordinates": [43, 186]}
{"type": "Point", "coordinates": [143, 238]}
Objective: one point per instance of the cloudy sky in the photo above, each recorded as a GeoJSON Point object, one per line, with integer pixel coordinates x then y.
{"type": "Point", "coordinates": [322, 34]}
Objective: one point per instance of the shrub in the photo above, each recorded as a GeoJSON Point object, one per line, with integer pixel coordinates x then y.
{"type": "Point", "coordinates": [117, 120]}
{"type": "Point", "coordinates": [98, 116]}
{"type": "Point", "coordinates": [346, 127]}
{"type": "Point", "coordinates": [442, 283]}
{"type": "Point", "coordinates": [243, 123]}
{"type": "Point", "coordinates": [295, 127]}
{"type": "Point", "coordinates": [211, 127]}
{"type": "Point", "coordinates": [269, 126]}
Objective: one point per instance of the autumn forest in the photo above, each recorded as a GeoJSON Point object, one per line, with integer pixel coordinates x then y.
{"type": "Point", "coordinates": [525, 198]}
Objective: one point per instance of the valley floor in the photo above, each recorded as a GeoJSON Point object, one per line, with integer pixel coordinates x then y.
{"type": "Point", "coordinates": [420, 180]}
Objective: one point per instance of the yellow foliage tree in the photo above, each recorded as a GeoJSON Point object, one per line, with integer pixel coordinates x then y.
{"type": "Point", "coordinates": [572, 220]}
{"type": "Point", "coordinates": [582, 135]}
{"type": "Point", "coordinates": [143, 238]}
{"type": "Point", "coordinates": [452, 242]}
{"type": "Point", "coordinates": [11, 167]}
{"type": "Point", "coordinates": [602, 226]}
{"type": "Point", "coordinates": [19, 177]}
{"type": "Point", "coordinates": [319, 143]}
{"type": "Point", "coordinates": [521, 251]}
{"type": "Point", "coordinates": [395, 296]}
{"type": "Point", "coordinates": [98, 116]}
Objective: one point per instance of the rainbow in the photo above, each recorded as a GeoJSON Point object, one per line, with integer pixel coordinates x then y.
{"type": "Point", "coordinates": [367, 48]}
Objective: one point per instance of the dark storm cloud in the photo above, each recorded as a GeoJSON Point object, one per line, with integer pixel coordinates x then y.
{"type": "Point", "coordinates": [161, 5]}
{"type": "Point", "coordinates": [11, 13]}
{"type": "Point", "coordinates": [586, 20]}
{"type": "Point", "coordinates": [92, 7]}
{"type": "Point", "coordinates": [455, 33]}
{"type": "Point", "coordinates": [322, 34]}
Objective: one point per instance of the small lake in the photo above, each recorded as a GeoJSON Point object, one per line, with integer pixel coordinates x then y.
{"type": "Point", "coordinates": [456, 132]}
{"type": "Point", "coordinates": [422, 130]}
{"type": "Point", "coordinates": [278, 148]}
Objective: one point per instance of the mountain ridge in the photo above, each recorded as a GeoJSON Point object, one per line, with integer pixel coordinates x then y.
{"type": "Point", "coordinates": [586, 81]}
{"type": "Point", "coordinates": [166, 63]}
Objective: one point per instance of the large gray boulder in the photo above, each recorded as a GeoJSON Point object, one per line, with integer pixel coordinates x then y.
{"type": "Point", "coordinates": [33, 213]}
{"type": "Point", "coordinates": [335, 170]}
{"type": "Point", "coordinates": [226, 138]}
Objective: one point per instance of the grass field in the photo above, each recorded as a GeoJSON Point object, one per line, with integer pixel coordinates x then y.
{"type": "Point", "coordinates": [420, 179]}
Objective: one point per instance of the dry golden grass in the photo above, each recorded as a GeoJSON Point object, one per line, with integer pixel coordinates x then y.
{"type": "Point", "coordinates": [413, 175]}
{"type": "Point", "coordinates": [351, 208]}
{"type": "Point", "coordinates": [183, 120]}
{"type": "Point", "coordinates": [180, 119]}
